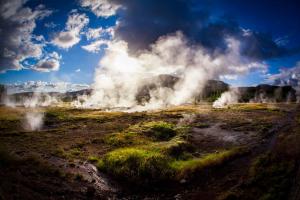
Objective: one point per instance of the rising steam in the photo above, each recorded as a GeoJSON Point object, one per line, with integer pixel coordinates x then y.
{"type": "Point", "coordinates": [34, 120]}
{"type": "Point", "coordinates": [120, 75]}
{"type": "Point", "coordinates": [227, 98]}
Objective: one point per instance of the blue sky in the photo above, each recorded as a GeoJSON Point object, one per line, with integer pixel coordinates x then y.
{"type": "Point", "coordinates": [277, 19]}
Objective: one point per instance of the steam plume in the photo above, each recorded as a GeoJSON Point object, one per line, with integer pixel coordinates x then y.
{"type": "Point", "coordinates": [227, 98]}
{"type": "Point", "coordinates": [120, 75]}
{"type": "Point", "coordinates": [34, 120]}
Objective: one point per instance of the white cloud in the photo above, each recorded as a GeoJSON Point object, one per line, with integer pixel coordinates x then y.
{"type": "Point", "coordinates": [66, 39]}
{"type": "Point", "coordinates": [50, 25]}
{"type": "Point", "coordinates": [17, 40]}
{"type": "Point", "coordinates": [77, 70]}
{"type": "Point", "coordinates": [42, 86]}
{"type": "Point", "coordinates": [287, 76]}
{"type": "Point", "coordinates": [282, 41]}
{"type": "Point", "coordinates": [99, 37]}
{"type": "Point", "coordinates": [101, 8]}
{"type": "Point", "coordinates": [95, 46]}
{"type": "Point", "coordinates": [49, 63]}
{"type": "Point", "coordinates": [229, 77]}
{"type": "Point", "coordinates": [97, 33]}
{"type": "Point", "coordinates": [71, 35]}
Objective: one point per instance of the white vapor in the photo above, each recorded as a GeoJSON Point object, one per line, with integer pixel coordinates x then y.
{"type": "Point", "coordinates": [227, 98]}
{"type": "Point", "coordinates": [120, 75]}
{"type": "Point", "coordinates": [34, 120]}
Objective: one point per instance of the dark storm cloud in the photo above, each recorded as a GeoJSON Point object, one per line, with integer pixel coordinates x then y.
{"type": "Point", "coordinates": [143, 22]}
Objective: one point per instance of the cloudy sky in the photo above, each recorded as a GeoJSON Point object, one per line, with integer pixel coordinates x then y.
{"type": "Point", "coordinates": [44, 42]}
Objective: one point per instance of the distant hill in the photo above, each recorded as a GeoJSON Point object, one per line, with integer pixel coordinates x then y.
{"type": "Point", "coordinates": [214, 88]}
{"type": "Point", "coordinates": [267, 93]}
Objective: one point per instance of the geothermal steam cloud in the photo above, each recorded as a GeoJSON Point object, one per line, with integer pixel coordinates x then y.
{"type": "Point", "coordinates": [120, 75]}
{"type": "Point", "coordinates": [227, 98]}
{"type": "Point", "coordinates": [34, 120]}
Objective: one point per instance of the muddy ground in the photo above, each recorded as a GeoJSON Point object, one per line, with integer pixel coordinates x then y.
{"type": "Point", "coordinates": [55, 161]}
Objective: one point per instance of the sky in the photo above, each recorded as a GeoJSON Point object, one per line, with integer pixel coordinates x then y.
{"type": "Point", "coordinates": [60, 44]}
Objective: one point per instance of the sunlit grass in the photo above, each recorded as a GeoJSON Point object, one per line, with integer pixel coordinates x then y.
{"type": "Point", "coordinates": [153, 164]}
{"type": "Point", "coordinates": [188, 168]}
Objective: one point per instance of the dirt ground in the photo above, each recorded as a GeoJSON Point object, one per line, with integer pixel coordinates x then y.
{"type": "Point", "coordinates": [55, 161]}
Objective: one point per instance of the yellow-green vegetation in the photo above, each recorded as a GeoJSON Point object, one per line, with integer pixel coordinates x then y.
{"type": "Point", "coordinates": [254, 107]}
{"type": "Point", "coordinates": [73, 114]}
{"type": "Point", "coordinates": [158, 130]}
{"type": "Point", "coordinates": [135, 164]}
{"type": "Point", "coordinates": [124, 139]}
{"type": "Point", "coordinates": [142, 133]}
{"type": "Point", "coordinates": [158, 151]}
{"type": "Point", "coordinates": [67, 154]}
{"type": "Point", "coordinates": [187, 168]}
{"type": "Point", "coordinates": [272, 176]}
{"type": "Point", "coordinates": [149, 165]}
{"type": "Point", "coordinates": [93, 159]}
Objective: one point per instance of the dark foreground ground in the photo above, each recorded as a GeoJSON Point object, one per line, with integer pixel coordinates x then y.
{"type": "Point", "coordinates": [248, 151]}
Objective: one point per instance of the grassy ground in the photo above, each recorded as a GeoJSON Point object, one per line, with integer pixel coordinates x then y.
{"type": "Point", "coordinates": [164, 152]}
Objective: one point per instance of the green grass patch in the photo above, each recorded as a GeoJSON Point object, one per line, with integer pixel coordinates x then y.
{"type": "Point", "coordinates": [124, 139]}
{"type": "Point", "coordinates": [143, 134]}
{"type": "Point", "coordinates": [188, 168]}
{"type": "Point", "coordinates": [136, 164]}
{"type": "Point", "coordinates": [270, 178]}
{"type": "Point", "coordinates": [158, 130]}
{"type": "Point", "coordinates": [144, 165]}
{"type": "Point", "coordinates": [93, 159]}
